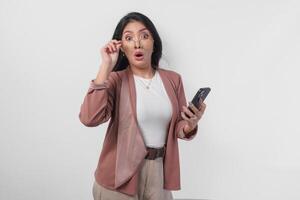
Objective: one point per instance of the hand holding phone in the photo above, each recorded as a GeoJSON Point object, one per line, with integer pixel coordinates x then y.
{"type": "Point", "coordinates": [195, 106]}
{"type": "Point", "coordinates": [201, 94]}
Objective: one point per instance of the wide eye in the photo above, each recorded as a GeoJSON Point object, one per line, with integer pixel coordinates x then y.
{"type": "Point", "coordinates": [128, 38]}
{"type": "Point", "coordinates": [145, 36]}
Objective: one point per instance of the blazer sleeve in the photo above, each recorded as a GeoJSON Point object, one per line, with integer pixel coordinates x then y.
{"type": "Point", "coordinates": [98, 103]}
{"type": "Point", "coordinates": [181, 122]}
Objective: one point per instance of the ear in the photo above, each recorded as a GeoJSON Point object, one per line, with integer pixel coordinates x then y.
{"type": "Point", "coordinates": [121, 48]}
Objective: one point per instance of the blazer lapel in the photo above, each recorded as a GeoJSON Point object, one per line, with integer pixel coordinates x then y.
{"type": "Point", "coordinates": [132, 91]}
{"type": "Point", "coordinates": [170, 89]}
{"type": "Point", "coordinates": [131, 149]}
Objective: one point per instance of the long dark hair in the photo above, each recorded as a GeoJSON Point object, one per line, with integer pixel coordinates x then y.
{"type": "Point", "coordinates": [122, 61]}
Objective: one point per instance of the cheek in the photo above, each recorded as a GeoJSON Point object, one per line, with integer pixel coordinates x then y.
{"type": "Point", "coordinates": [125, 47]}
{"type": "Point", "coordinates": [127, 50]}
{"type": "Point", "coordinates": [148, 46]}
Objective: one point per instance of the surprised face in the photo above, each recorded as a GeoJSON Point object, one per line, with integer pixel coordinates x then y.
{"type": "Point", "coordinates": [137, 44]}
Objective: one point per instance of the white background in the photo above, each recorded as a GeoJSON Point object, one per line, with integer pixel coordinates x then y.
{"type": "Point", "coordinates": [247, 147]}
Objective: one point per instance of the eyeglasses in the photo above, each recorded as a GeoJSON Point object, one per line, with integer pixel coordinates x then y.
{"type": "Point", "coordinates": [142, 37]}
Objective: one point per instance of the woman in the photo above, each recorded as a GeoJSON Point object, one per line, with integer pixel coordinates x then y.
{"type": "Point", "coordinates": [147, 109]}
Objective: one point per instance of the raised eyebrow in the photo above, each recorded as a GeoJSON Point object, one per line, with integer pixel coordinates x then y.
{"type": "Point", "coordinates": [138, 31]}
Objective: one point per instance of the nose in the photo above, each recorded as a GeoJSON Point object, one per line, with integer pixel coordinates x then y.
{"type": "Point", "coordinates": [137, 44]}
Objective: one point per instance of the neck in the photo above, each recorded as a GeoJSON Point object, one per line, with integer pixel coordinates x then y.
{"type": "Point", "coordinates": [145, 72]}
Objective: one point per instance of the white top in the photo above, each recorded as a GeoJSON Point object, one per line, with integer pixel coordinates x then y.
{"type": "Point", "coordinates": [154, 110]}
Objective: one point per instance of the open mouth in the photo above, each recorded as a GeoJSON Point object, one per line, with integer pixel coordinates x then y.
{"type": "Point", "coordinates": [139, 55]}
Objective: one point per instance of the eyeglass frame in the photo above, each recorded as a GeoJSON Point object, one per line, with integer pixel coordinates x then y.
{"type": "Point", "coordinates": [150, 37]}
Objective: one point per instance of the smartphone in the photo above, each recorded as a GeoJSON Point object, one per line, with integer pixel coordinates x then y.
{"type": "Point", "coordinates": [201, 94]}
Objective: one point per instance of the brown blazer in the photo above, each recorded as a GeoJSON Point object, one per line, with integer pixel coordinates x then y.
{"type": "Point", "coordinates": [123, 148]}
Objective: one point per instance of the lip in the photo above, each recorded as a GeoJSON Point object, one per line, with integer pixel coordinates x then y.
{"type": "Point", "coordinates": [138, 57]}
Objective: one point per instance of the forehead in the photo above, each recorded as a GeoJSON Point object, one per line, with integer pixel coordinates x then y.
{"type": "Point", "coordinates": [134, 27]}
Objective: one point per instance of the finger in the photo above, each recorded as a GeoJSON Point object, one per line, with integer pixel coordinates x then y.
{"type": "Point", "coordinates": [116, 41]}
{"type": "Point", "coordinates": [187, 111]}
{"type": "Point", "coordinates": [183, 115]}
{"type": "Point", "coordinates": [189, 120]}
{"type": "Point", "coordinates": [107, 49]}
{"type": "Point", "coordinates": [198, 113]}
{"type": "Point", "coordinates": [115, 44]}
{"type": "Point", "coordinates": [193, 108]}
{"type": "Point", "coordinates": [112, 47]}
{"type": "Point", "coordinates": [200, 102]}
{"type": "Point", "coordinates": [203, 107]}
{"type": "Point", "coordinates": [119, 46]}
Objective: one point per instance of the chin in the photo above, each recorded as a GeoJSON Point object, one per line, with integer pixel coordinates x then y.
{"type": "Point", "coordinates": [140, 64]}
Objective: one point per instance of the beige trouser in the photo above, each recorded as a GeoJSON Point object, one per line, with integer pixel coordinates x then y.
{"type": "Point", "coordinates": [150, 186]}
